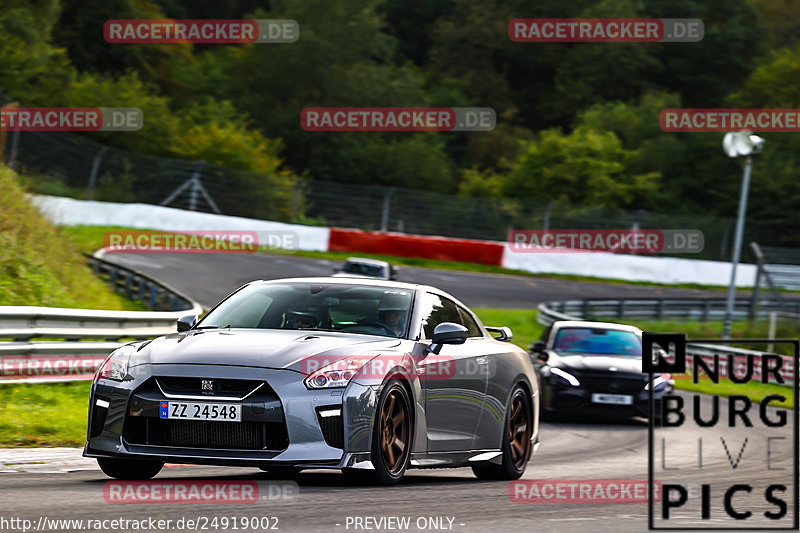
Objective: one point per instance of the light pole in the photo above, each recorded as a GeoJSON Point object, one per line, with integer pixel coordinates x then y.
{"type": "Point", "coordinates": [735, 145]}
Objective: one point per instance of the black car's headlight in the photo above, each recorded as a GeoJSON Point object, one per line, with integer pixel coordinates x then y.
{"type": "Point", "coordinates": [562, 377]}
{"type": "Point", "coordinates": [659, 382]}
{"type": "Point", "coordinates": [116, 365]}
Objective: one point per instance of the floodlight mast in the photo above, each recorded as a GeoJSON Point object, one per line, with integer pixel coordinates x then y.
{"type": "Point", "coordinates": [735, 145]}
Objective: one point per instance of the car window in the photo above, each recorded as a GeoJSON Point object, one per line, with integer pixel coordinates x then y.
{"type": "Point", "coordinates": [469, 322]}
{"type": "Point", "coordinates": [313, 306]}
{"type": "Point", "coordinates": [597, 341]}
{"type": "Point", "coordinates": [436, 310]}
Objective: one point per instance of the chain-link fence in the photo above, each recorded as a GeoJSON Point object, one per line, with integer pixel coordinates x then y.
{"type": "Point", "coordinates": [71, 164]}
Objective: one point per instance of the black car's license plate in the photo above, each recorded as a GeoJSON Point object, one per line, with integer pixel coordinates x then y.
{"type": "Point", "coordinates": [223, 412]}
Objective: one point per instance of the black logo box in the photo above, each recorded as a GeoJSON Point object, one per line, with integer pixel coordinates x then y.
{"type": "Point", "coordinates": [678, 342]}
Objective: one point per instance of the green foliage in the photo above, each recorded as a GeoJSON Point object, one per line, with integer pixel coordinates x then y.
{"type": "Point", "coordinates": [37, 266]}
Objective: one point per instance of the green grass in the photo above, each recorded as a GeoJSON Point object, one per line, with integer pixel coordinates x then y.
{"type": "Point", "coordinates": [753, 390]}
{"type": "Point", "coordinates": [44, 414]}
{"type": "Point", "coordinates": [521, 321]}
{"type": "Point", "coordinates": [90, 238]}
{"type": "Point", "coordinates": [37, 265]}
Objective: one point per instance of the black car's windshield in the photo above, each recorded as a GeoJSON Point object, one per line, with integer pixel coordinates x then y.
{"type": "Point", "coordinates": [315, 306]}
{"type": "Point", "coordinates": [363, 269]}
{"type": "Point", "coordinates": [596, 341]}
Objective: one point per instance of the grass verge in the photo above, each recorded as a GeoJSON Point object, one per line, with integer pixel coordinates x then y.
{"type": "Point", "coordinates": [44, 414]}
{"type": "Point", "coordinates": [37, 266]}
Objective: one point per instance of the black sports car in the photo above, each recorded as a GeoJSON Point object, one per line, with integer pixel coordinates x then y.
{"type": "Point", "coordinates": [595, 366]}
{"type": "Point", "coordinates": [367, 376]}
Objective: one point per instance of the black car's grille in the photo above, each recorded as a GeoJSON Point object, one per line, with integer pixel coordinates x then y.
{"type": "Point", "coordinates": [206, 434]}
{"type": "Point", "coordinates": [332, 429]}
{"type": "Point", "coordinates": [194, 386]}
{"type": "Point", "coordinates": [613, 383]}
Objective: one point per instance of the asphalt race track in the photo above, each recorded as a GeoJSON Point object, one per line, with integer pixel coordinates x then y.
{"type": "Point", "coordinates": [594, 448]}
{"type": "Point", "coordinates": [211, 277]}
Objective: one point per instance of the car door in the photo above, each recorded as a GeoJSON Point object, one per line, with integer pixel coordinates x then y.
{"type": "Point", "coordinates": [453, 383]}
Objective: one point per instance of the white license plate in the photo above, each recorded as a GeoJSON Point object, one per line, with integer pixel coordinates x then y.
{"type": "Point", "coordinates": [613, 399]}
{"type": "Point", "coordinates": [223, 412]}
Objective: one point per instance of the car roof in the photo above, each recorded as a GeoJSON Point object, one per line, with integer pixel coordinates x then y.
{"type": "Point", "coordinates": [595, 325]}
{"type": "Point", "coordinates": [376, 262]}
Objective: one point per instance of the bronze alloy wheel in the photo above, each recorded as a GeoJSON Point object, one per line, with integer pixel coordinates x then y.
{"type": "Point", "coordinates": [394, 431]}
{"type": "Point", "coordinates": [519, 431]}
{"type": "Point", "coordinates": [516, 447]}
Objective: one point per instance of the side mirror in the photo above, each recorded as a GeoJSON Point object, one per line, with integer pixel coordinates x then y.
{"type": "Point", "coordinates": [540, 350]}
{"type": "Point", "coordinates": [447, 333]}
{"type": "Point", "coordinates": [185, 323]}
{"type": "Point", "coordinates": [504, 331]}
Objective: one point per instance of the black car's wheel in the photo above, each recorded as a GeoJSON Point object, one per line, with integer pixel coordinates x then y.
{"type": "Point", "coordinates": [129, 468]}
{"type": "Point", "coordinates": [392, 434]}
{"type": "Point", "coordinates": [516, 441]}
{"type": "Point", "coordinates": [280, 472]}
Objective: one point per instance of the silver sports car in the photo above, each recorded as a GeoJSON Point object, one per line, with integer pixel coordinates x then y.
{"type": "Point", "coordinates": [370, 377]}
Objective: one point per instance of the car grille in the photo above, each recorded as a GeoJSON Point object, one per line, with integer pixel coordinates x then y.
{"type": "Point", "coordinates": [332, 429]}
{"type": "Point", "coordinates": [194, 386]}
{"type": "Point", "coordinates": [206, 434]}
{"type": "Point", "coordinates": [612, 383]}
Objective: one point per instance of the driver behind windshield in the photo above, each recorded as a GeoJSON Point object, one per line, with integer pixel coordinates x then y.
{"type": "Point", "coordinates": [392, 312]}
{"type": "Point", "coordinates": [300, 320]}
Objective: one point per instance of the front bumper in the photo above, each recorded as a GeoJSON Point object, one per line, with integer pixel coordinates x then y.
{"type": "Point", "coordinates": [281, 422]}
{"type": "Point", "coordinates": [563, 398]}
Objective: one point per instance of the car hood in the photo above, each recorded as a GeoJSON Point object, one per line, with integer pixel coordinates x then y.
{"type": "Point", "coordinates": [258, 348]}
{"type": "Point", "coordinates": [602, 363]}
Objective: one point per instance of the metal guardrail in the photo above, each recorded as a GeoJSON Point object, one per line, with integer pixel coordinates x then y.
{"type": "Point", "coordinates": [41, 342]}
{"type": "Point", "coordinates": [702, 309]}
{"type": "Point", "coordinates": [660, 309]}
{"type": "Point", "coordinates": [136, 286]}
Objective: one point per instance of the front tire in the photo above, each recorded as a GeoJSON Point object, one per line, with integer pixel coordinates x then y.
{"type": "Point", "coordinates": [392, 435]}
{"type": "Point", "coordinates": [516, 441]}
{"type": "Point", "coordinates": [129, 468]}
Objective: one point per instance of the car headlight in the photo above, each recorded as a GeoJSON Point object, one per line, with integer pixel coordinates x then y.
{"type": "Point", "coordinates": [337, 374]}
{"type": "Point", "coordinates": [563, 378]}
{"type": "Point", "coordinates": [659, 382]}
{"type": "Point", "coordinates": [116, 365]}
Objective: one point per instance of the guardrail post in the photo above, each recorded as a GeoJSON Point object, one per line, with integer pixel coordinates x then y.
{"type": "Point", "coordinates": [621, 309]}
{"type": "Point", "coordinates": [113, 273]}
{"type": "Point", "coordinates": [660, 311]}
{"type": "Point", "coordinates": [706, 310]}
{"type": "Point", "coordinates": [154, 290]}
{"type": "Point", "coordinates": [585, 309]}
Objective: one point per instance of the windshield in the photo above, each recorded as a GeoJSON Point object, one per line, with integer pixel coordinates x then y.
{"type": "Point", "coordinates": [596, 341]}
{"type": "Point", "coordinates": [364, 269]}
{"type": "Point", "coordinates": [315, 306]}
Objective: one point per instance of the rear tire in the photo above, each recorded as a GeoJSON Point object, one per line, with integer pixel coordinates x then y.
{"type": "Point", "coordinates": [129, 468]}
{"type": "Point", "coordinates": [517, 445]}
